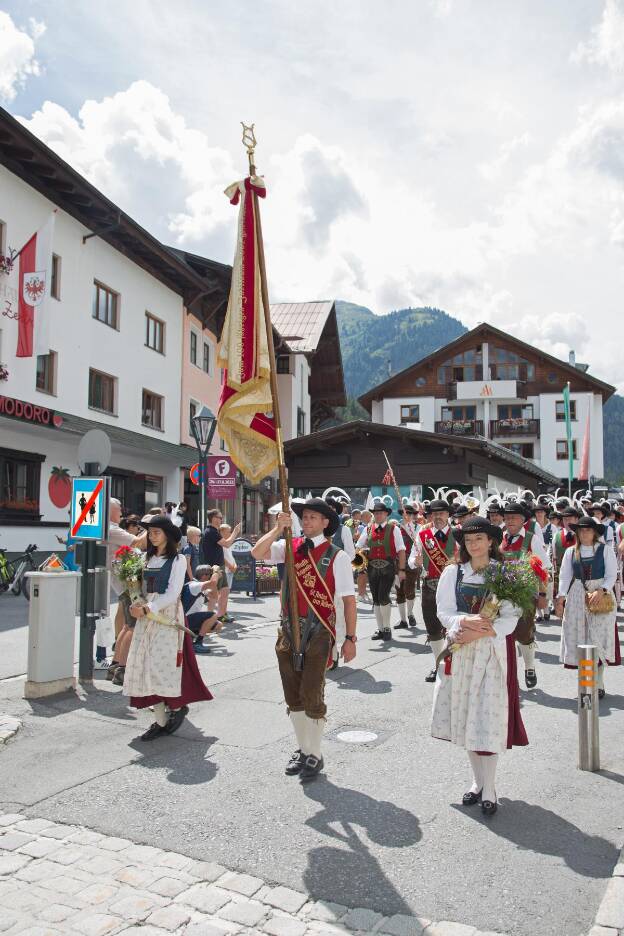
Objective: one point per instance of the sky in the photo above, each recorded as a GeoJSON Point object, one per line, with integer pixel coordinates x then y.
{"type": "Point", "coordinates": [462, 154]}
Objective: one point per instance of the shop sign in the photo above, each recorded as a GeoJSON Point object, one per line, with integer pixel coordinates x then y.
{"type": "Point", "coordinates": [221, 477]}
{"type": "Point", "coordinates": [29, 412]}
{"type": "Point", "coordinates": [245, 575]}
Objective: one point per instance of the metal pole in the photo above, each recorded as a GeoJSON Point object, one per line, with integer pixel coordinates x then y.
{"type": "Point", "coordinates": [87, 600]}
{"type": "Point", "coordinates": [202, 482]}
{"type": "Point", "coordinates": [589, 733]}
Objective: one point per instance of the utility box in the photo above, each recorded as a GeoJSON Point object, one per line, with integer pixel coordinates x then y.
{"type": "Point", "coordinates": [51, 633]}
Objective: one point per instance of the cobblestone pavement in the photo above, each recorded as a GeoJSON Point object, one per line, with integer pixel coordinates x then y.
{"type": "Point", "coordinates": [57, 878]}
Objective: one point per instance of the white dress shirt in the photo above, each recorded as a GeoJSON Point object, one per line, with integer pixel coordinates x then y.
{"type": "Point", "coordinates": [399, 545]}
{"type": "Point", "coordinates": [343, 573]}
{"type": "Point", "coordinates": [451, 618]}
{"type": "Point", "coordinates": [537, 546]}
{"type": "Point", "coordinates": [347, 541]}
{"type": "Point", "coordinates": [175, 585]}
{"type": "Point", "coordinates": [566, 573]}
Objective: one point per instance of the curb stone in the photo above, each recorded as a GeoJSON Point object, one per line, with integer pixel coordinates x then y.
{"type": "Point", "coordinates": [609, 920]}
{"type": "Point", "coordinates": [9, 726]}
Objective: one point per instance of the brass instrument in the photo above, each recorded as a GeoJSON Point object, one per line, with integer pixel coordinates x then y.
{"type": "Point", "coordinates": [359, 563]}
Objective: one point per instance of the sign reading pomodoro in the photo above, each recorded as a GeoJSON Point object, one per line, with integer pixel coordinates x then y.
{"type": "Point", "coordinates": [29, 412]}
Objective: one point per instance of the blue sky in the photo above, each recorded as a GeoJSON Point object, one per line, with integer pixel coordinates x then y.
{"type": "Point", "coordinates": [459, 153]}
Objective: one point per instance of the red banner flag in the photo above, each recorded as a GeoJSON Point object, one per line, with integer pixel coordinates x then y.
{"type": "Point", "coordinates": [245, 409]}
{"type": "Point", "coordinates": [35, 275]}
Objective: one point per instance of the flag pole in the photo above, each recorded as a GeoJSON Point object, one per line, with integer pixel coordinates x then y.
{"type": "Point", "coordinates": [249, 142]}
{"type": "Point", "coordinates": [400, 508]}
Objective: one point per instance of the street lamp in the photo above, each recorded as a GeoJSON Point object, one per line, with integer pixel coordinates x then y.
{"type": "Point", "coordinates": [203, 426]}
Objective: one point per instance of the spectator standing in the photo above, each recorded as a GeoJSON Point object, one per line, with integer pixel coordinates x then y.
{"type": "Point", "coordinates": [212, 553]}
{"type": "Point", "coordinates": [228, 556]}
{"type": "Point", "coordinates": [124, 622]}
{"type": "Point", "coordinates": [191, 550]}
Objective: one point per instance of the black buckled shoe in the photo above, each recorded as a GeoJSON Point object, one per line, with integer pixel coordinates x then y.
{"type": "Point", "coordinates": [601, 693]}
{"type": "Point", "coordinates": [386, 634]}
{"type": "Point", "coordinates": [432, 675]}
{"type": "Point", "coordinates": [488, 808]}
{"type": "Point", "coordinates": [471, 799]}
{"type": "Point", "coordinates": [311, 768]}
{"type": "Point", "coordinates": [402, 625]}
{"type": "Point", "coordinates": [378, 635]}
{"type": "Point", "coordinates": [154, 731]}
{"type": "Point", "coordinates": [296, 762]}
{"type": "Point", "coordinates": [411, 620]}
{"type": "Point", "coordinates": [175, 719]}
{"type": "Point", "coordinates": [547, 615]}
{"type": "Point", "coordinates": [530, 678]}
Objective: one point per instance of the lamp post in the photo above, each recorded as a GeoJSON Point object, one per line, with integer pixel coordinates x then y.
{"type": "Point", "coordinates": [203, 426]}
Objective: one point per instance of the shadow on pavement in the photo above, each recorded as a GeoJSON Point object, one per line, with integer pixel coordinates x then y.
{"type": "Point", "coordinates": [186, 764]}
{"type": "Point", "coordinates": [609, 703]}
{"type": "Point", "coordinates": [360, 680]}
{"type": "Point", "coordinates": [107, 702]}
{"type": "Point", "coordinates": [349, 873]}
{"type": "Point", "coordinates": [536, 829]}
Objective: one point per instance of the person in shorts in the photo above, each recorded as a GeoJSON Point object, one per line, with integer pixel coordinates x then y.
{"type": "Point", "coordinates": [199, 599]}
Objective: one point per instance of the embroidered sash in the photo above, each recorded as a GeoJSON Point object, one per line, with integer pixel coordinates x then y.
{"type": "Point", "coordinates": [312, 587]}
{"type": "Point", "coordinates": [436, 556]}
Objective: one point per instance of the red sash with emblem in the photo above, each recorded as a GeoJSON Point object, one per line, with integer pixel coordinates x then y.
{"type": "Point", "coordinates": [313, 590]}
{"type": "Point", "coordinates": [438, 559]}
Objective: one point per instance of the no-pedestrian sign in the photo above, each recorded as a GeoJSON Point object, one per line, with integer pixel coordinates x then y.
{"type": "Point", "coordinates": [89, 509]}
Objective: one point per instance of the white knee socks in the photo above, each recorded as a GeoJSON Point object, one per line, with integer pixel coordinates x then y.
{"type": "Point", "coordinates": [402, 611]}
{"type": "Point", "coordinates": [160, 714]}
{"type": "Point", "coordinates": [488, 772]}
{"type": "Point", "coordinates": [528, 655]}
{"type": "Point", "coordinates": [298, 720]}
{"type": "Point", "coordinates": [436, 648]}
{"type": "Point", "coordinates": [386, 612]}
{"type": "Point", "coordinates": [475, 762]}
{"type": "Point", "coordinates": [600, 678]}
{"type": "Point", "coordinates": [378, 617]}
{"type": "Point", "coordinates": [410, 606]}
{"type": "Point", "coordinates": [313, 733]}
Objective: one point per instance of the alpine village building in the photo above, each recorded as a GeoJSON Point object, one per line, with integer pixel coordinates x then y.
{"type": "Point", "coordinates": [491, 385]}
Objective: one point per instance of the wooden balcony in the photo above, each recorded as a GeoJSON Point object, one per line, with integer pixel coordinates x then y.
{"type": "Point", "coordinates": [514, 427]}
{"type": "Point", "coordinates": [460, 427]}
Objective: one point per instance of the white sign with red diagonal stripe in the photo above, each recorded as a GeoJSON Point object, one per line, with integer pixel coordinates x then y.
{"type": "Point", "coordinates": [89, 509]}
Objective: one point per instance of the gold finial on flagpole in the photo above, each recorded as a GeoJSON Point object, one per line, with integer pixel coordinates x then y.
{"type": "Point", "coordinates": [249, 142]}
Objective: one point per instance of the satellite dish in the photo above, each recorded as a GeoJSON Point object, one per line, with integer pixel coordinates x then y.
{"type": "Point", "coordinates": [95, 449]}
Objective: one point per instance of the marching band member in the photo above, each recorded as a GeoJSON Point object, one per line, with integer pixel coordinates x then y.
{"type": "Point", "coordinates": [495, 514]}
{"type": "Point", "coordinates": [476, 702]}
{"type": "Point", "coordinates": [541, 517]}
{"type": "Point", "coordinates": [435, 548]}
{"type": "Point", "coordinates": [406, 590]}
{"type": "Point", "coordinates": [562, 540]}
{"type": "Point", "coordinates": [324, 577]}
{"type": "Point", "coordinates": [343, 539]}
{"type": "Point", "coordinates": [516, 541]}
{"type": "Point", "coordinates": [585, 601]}
{"type": "Point", "coordinates": [386, 553]}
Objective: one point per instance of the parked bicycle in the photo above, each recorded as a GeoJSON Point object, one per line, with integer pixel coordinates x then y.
{"type": "Point", "coordinates": [13, 572]}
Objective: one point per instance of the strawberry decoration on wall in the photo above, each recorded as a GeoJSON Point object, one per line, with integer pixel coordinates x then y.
{"type": "Point", "coordinates": [60, 487]}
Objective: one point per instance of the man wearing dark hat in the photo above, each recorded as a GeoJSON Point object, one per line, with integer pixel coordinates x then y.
{"type": "Point", "coordinates": [563, 538]}
{"type": "Point", "coordinates": [435, 548]}
{"type": "Point", "coordinates": [541, 518]}
{"type": "Point", "coordinates": [600, 511]}
{"type": "Point", "coordinates": [517, 540]}
{"type": "Point", "coordinates": [461, 515]}
{"type": "Point", "coordinates": [495, 514]}
{"type": "Point", "coordinates": [406, 591]}
{"type": "Point", "coordinates": [323, 577]}
{"type": "Point", "coordinates": [386, 561]}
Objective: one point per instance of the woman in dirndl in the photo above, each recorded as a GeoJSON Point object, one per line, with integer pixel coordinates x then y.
{"type": "Point", "coordinates": [586, 579]}
{"type": "Point", "coordinates": [162, 671]}
{"type": "Point", "coordinates": [476, 702]}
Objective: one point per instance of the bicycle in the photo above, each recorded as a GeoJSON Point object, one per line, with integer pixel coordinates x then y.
{"type": "Point", "coordinates": [12, 572]}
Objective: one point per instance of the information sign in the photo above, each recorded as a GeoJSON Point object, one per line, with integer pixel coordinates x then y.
{"type": "Point", "coordinates": [89, 509]}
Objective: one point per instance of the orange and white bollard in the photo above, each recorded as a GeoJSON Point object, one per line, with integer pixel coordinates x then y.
{"type": "Point", "coordinates": [589, 734]}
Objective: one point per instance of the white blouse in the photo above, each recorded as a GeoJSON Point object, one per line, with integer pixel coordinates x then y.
{"type": "Point", "coordinates": [566, 573]}
{"type": "Point", "coordinates": [451, 618]}
{"type": "Point", "coordinates": [175, 585]}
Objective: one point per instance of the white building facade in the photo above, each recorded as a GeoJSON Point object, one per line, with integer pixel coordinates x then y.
{"type": "Point", "coordinates": [488, 384]}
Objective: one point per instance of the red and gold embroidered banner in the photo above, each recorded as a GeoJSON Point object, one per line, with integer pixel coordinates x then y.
{"type": "Point", "coordinates": [245, 409]}
{"type": "Point", "coordinates": [437, 557]}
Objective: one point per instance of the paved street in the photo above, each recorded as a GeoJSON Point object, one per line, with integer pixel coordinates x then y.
{"type": "Point", "coordinates": [382, 830]}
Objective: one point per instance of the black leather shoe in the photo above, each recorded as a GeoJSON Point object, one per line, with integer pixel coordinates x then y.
{"type": "Point", "coordinates": [547, 615]}
{"type": "Point", "coordinates": [311, 768]}
{"type": "Point", "coordinates": [432, 676]}
{"type": "Point", "coordinates": [296, 762]}
{"type": "Point", "coordinates": [386, 635]}
{"type": "Point", "coordinates": [601, 693]}
{"type": "Point", "coordinates": [378, 635]}
{"type": "Point", "coordinates": [411, 620]}
{"type": "Point", "coordinates": [471, 799]}
{"type": "Point", "coordinates": [154, 731]}
{"type": "Point", "coordinates": [488, 808]}
{"type": "Point", "coordinates": [335, 664]}
{"type": "Point", "coordinates": [175, 719]}
{"type": "Point", "coordinates": [402, 625]}
{"type": "Point", "coordinates": [530, 678]}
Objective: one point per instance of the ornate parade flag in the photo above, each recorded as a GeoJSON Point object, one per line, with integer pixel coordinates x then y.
{"type": "Point", "coordinates": [35, 276]}
{"type": "Point", "coordinates": [245, 409]}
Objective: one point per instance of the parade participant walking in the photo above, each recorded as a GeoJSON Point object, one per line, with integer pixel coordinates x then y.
{"type": "Point", "coordinates": [323, 578]}
{"type": "Point", "coordinates": [476, 703]}
{"type": "Point", "coordinates": [517, 541]}
{"type": "Point", "coordinates": [435, 547]}
{"type": "Point", "coordinates": [386, 560]}
{"type": "Point", "coordinates": [162, 671]}
{"type": "Point", "coordinates": [495, 514]}
{"type": "Point", "coordinates": [548, 531]}
{"type": "Point", "coordinates": [563, 538]}
{"type": "Point", "coordinates": [362, 575]}
{"type": "Point", "coordinates": [406, 590]}
{"type": "Point", "coordinates": [585, 601]}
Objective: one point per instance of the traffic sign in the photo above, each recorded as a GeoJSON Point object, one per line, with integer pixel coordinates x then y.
{"type": "Point", "coordinates": [89, 509]}
{"type": "Point", "coordinates": [195, 473]}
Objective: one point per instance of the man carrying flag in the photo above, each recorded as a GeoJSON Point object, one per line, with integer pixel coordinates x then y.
{"type": "Point", "coordinates": [35, 280]}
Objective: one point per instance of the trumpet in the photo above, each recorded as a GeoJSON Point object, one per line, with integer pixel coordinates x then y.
{"type": "Point", "coordinates": [359, 563]}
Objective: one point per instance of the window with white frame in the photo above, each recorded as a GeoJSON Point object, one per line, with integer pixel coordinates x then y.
{"type": "Point", "coordinates": [45, 380]}
{"type": "Point", "coordinates": [194, 342]}
{"type": "Point", "coordinates": [206, 357]}
{"type": "Point", "coordinates": [154, 333]}
{"type": "Point", "coordinates": [152, 410]}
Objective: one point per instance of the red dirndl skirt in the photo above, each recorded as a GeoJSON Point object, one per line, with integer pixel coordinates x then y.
{"type": "Point", "coordinates": [193, 688]}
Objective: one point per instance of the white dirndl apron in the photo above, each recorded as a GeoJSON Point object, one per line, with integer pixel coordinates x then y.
{"type": "Point", "coordinates": [600, 627]}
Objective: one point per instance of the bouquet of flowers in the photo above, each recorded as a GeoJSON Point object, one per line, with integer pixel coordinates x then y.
{"type": "Point", "coordinates": [128, 564]}
{"type": "Point", "coordinates": [513, 580]}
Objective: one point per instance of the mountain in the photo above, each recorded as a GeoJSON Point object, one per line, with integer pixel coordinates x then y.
{"type": "Point", "coordinates": [613, 422]}
{"type": "Point", "coordinates": [375, 346]}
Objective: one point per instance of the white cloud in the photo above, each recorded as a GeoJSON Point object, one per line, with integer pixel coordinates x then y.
{"type": "Point", "coordinates": [493, 169]}
{"type": "Point", "coordinates": [17, 54]}
{"type": "Point", "coordinates": [606, 44]}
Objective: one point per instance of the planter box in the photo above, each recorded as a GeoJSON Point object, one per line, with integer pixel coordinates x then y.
{"type": "Point", "coordinates": [267, 586]}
